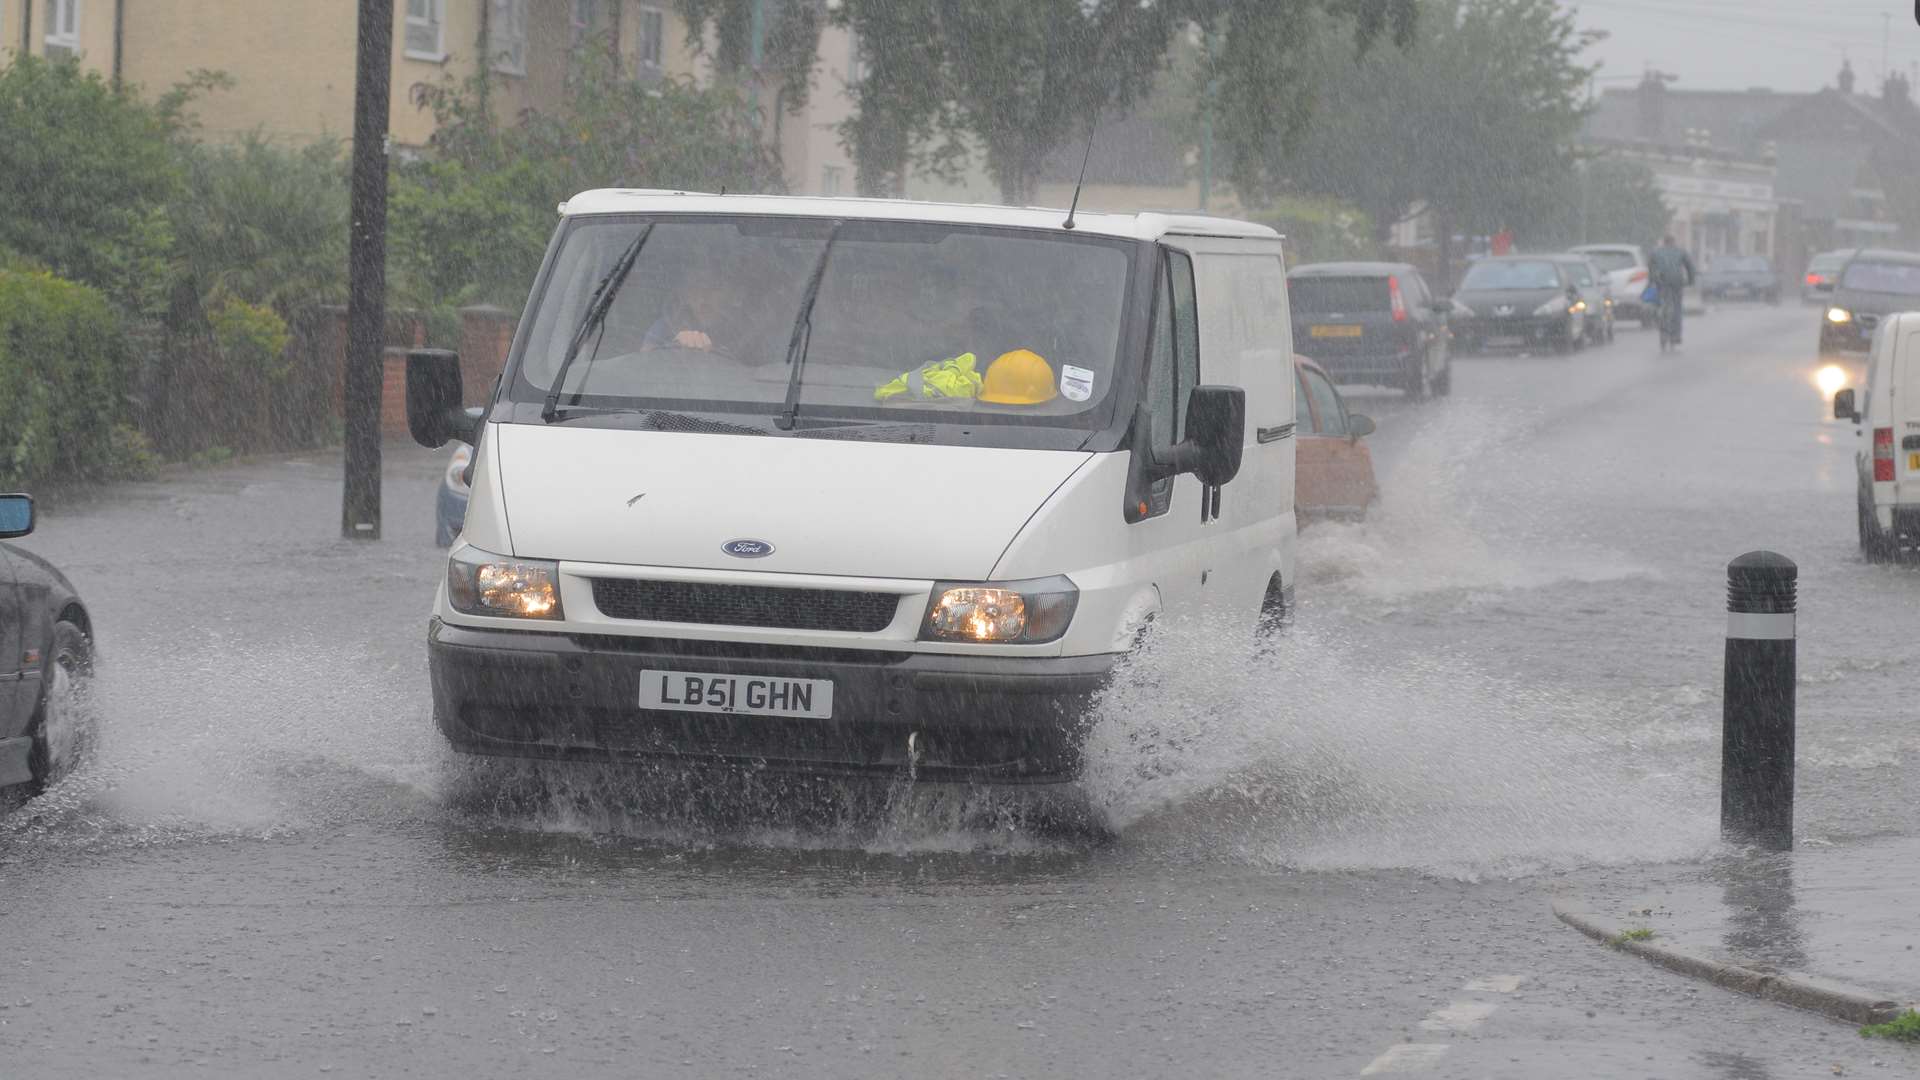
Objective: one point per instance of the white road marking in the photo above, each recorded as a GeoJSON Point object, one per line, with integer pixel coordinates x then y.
{"type": "Point", "coordinates": [1455, 1018]}
{"type": "Point", "coordinates": [1459, 1016]}
{"type": "Point", "coordinates": [1497, 984]}
{"type": "Point", "coordinates": [1406, 1058]}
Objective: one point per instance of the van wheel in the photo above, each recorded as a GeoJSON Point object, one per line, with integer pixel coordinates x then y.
{"type": "Point", "coordinates": [1875, 545]}
{"type": "Point", "coordinates": [61, 729]}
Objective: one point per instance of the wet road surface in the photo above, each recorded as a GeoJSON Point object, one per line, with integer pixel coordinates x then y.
{"type": "Point", "coordinates": [1335, 861]}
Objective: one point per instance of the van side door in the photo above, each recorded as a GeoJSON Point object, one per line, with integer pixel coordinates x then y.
{"type": "Point", "coordinates": [1246, 340]}
{"type": "Point", "coordinates": [1169, 537]}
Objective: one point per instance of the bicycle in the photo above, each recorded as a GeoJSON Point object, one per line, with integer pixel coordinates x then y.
{"type": "Point", "coordinates": [1670, 300]}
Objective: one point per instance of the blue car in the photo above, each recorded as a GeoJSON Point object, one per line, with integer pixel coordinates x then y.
{"type": "Point", "coordinates": [450, 506]}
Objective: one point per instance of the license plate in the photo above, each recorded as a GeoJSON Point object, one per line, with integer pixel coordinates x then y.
{"type": "Point", "coordinates": [751, 695]}
{"type": "Point", "coordinates": [1333, 331]}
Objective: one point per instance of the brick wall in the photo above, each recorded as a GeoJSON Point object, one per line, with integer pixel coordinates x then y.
{"type": "Point", "coordinates": [486, 333]}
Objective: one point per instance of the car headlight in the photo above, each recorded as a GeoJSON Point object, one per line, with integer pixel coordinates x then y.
{"type": "Point", "coordinates": [457, 468]}
{"type": "Point", "coordinates": [1578, 307]}
{"type": "Point", "coordinates": [482, 583]}
{"type": "Point", "coordinates": [1839, 315]}
{"type": "Point", "coordinates": [1022, 612]}
{"type": "Point", "coordinates": [1555, 306]}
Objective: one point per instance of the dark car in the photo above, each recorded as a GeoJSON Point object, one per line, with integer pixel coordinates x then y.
{"type": "Point", "coordinates": [1871, 285]}
{"type": "Point", "coordinates": [1750, 277]}
{"type": "Point", "coordinates": [46, 652]}
{"type": "Point", "coordinates": [1526, 302]}
{"type": "Point", "coordinates": [1368, 322]}
{"type": "Point", "coordinates": [1822, 271]}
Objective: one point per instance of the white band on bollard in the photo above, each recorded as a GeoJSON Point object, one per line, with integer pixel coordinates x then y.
{"type": "Point", "coordinates": [1749, 626]}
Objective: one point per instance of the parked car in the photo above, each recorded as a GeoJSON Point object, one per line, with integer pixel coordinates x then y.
{"type": "Point", "coordinates": [1626, 268]}
{"type": "Point", "coordinates": [1823, 270]}
{"type": "Point", "coordinates": [1368, 322]}
{"type": "Point", "coordinates": [1335, 468]}
{"type": "Point", "coordinates": [46, 655]}
{"type": "Point", "coordinates": [450, 504]}
{"type": "Point", "coordinates": [802, 530]}
{"type": "Point", "coordinates": [1872, 285]}
{"type": "Point", "coordinates": [1595, 293]}
{"type": "Point", "coordinates": [1888, 412]}
{"type": "Point", "coordinates": [1749, 277]}
{"type": "Point", "coordinates": [1523, 302]}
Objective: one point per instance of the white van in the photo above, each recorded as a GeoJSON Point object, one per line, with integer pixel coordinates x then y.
{"type": "Point", "coordinates": [849, 484]}
{"type": "Point", "coordinates": [1889, 419]}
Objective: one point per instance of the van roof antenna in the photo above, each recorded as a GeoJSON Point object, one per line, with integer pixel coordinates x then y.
{"type": "Point", "coordinates": [1075, 206]}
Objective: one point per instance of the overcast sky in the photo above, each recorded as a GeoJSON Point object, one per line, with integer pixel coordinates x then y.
{"type": "Point", "coordinates": [1735, 44]}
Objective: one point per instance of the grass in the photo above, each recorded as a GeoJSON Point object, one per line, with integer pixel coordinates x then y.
{"type": "Point", "coordinates": [1904, 1028]}
{"type": "Point", "coordinates": [1634, 933]}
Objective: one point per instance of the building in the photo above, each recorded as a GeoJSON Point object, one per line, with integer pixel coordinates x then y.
{"type": "Point", "coordinates": [291, 62]}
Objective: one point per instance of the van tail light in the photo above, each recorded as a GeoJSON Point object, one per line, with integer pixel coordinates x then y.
{"type": "Point", "coordinates": [1882, 454]}
{"type": "Point", "coordinates": [1814, 279]}
{"type": "Point", "coordinates": [1394, 298]}
{"type": "Point", "coordinates": [1638, 277]}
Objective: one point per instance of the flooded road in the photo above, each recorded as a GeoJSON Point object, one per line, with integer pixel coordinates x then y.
{"type": "Point", "coordinates": [1502, 686]}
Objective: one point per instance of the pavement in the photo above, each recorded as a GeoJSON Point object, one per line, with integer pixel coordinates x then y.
{"type": "Point", "coordinates": [1827, 929]}
{"type": "Point", "coordinates": [1501, 691]}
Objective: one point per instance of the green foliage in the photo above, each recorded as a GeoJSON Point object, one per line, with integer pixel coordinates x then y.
{"type": "Point", "coordinates": [263, 224]}
{"type": "Point", "coordinates": [1020, 78]}
{"type": "Point", "coordinates": [789, 42]}
{"type": "Point", "coordinates": [469, 223]}
{"type": "Point", "coordinates": [251, 338]}
{"type": "Point", "coordinates": [87, 173]}
{"type": "Point", "coordinates": [1903, 1028]}
{"type": "Point", "coordinates": [63, 364]}
{"type": "Point", "coordinates": [1613, 198]}
{"type": "Point", "coordinates": [1474, 115]}
{"type": "Point", "coordinates": [1320, 229]}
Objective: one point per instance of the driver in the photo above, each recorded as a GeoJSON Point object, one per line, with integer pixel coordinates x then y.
{"type": "Point", "coordinates": [704, 314]}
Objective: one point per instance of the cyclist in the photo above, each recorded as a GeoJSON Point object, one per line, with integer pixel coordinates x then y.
{"type": "Point", "coordinates": [1671, 269]}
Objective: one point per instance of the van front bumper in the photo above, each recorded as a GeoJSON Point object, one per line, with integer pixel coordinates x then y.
{"type": "Point", "coordinates": [526, 693]}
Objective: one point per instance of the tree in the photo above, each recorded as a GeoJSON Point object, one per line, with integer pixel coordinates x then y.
{"type": "Point", "coordinates": [789, 40]}
{"type": "Point", "coordinates": [88, 172]}
{"type": "Point", "coordinates": [1474, 117]}
{"type": "Point", "coordinates": [1020, 78]}
{"type": "Point", "coordinates": [470, 222]}
{"type": "Point", "coordinates": [1614, 198]}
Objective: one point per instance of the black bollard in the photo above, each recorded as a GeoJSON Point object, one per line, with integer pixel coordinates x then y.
{"type": "Point", "coordinates": [1756, 732]}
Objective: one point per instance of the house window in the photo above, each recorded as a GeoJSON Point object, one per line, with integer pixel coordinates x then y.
{"type": "Point", "coordinates": [856, 63]}
{"type": "Point", "coordinates": [507, 35]}
{"type": "Point", "coordinates": [426, 29]}
{"type": "Point", "coordinates": [649, 42]}
{"type": "Point", "coordinates": [583, 21]}
{"type": "Point", "coordinates": [831, 177]}
{"type": "Point", "coordinates": [63, 28]}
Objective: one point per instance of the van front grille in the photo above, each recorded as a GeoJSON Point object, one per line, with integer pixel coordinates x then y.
{"type": "Point", "coordinates": [744, 605]}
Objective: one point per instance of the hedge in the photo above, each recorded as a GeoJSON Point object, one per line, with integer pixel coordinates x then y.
{"type": "Point", "coordinates": [64, 366]}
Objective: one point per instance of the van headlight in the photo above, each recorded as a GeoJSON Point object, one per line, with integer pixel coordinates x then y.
{"type": "Point", "coordinates": [1017, 612]}
{"type": "Point", "coordinates": [482, 583]}
{"type": "Point", "coordinates": [1555, 306]}
{"type": "Point", "coordinates": [1839, 315]}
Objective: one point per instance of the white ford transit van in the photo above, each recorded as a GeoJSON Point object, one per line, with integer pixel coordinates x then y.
{"type": "Point", "coordinates": [846, 484]}
{"type": "Point", "coordinates": [1889, 419]}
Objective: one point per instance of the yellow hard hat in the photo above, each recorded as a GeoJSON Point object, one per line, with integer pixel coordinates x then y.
{"type": "Point", "coordinates": [1020, 377]}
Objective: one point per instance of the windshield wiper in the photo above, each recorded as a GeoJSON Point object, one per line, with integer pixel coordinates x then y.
{"type": "Point", "coordinates": [803, 336]}
{"type": "Point", "coordinates": [597, 307]}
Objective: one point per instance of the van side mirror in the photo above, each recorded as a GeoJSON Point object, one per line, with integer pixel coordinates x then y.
{"type": "Point", "coordinates": [1843, 407]}
{"type": "Point", "coordinates": [1360, 425]}
{"type": "Point", "coordinates": [16, 516]}
{"type": "Point", "coordinates": [1216, 436]}
{"type": "Point", "coordinates": [434, 413]}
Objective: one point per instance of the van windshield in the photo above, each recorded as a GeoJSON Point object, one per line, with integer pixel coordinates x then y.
{"type": "Point", "coordinates": [909, 320]}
